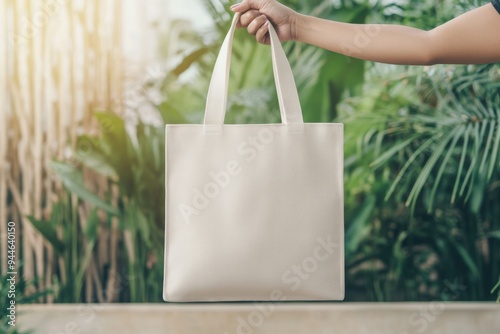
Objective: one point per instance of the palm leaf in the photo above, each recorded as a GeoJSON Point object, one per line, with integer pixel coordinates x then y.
{"type": "Point", "coordinates": [462, 130]}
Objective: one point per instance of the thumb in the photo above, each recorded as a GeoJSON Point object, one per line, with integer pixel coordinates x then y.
{"type": "Point", "coordinates": [246, 5]}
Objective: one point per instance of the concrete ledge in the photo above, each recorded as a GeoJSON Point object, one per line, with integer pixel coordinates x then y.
{"type": "Point", "coordinates": [262, 318]}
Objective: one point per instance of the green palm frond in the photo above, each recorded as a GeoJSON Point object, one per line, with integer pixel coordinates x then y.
{"type": "Point", "coordinates": [449, 139]}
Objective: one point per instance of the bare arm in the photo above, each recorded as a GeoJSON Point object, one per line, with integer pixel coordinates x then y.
{"type": "Point", "coordinates": [473, 37]}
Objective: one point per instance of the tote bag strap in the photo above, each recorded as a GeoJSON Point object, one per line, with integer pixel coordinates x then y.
{"type": "Point", "coordinates": [288, 97]}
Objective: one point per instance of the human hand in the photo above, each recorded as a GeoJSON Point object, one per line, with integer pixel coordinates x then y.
{"type": "Point", "coordinates": [256, 14]}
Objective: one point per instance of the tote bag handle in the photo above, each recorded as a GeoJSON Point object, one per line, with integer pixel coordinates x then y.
{"type": "Point", "coordinates": [285, 84]}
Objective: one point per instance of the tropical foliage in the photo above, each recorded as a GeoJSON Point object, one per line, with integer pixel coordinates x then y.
{"type": "Point", "coordinates": [422, 171]}
{"type": "Point", "coordinates": [22, 296]}
{"type": "Point", "coordinates": [429, 213]}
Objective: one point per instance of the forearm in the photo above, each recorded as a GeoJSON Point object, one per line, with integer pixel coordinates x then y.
{"type": "Point", "coordinates": [375, 42]}
{"type": "Point", "coordinates": [457, 41]}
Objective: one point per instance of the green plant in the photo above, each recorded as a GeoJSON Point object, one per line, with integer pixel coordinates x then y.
{"type": "Point", "coordinates": [22, 296]}
{"type": "Point", "coordinates": [430, 137]}
{"type": "Point", "coordinates": [72, 243]}
{"type": "Point", "coordinates": [426, 138]}
{"type": "Point", "coordinates": [135, 163]}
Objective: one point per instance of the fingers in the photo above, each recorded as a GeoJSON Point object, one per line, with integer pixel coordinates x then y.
{"type": "Point", "coordinates": [246, 5]}
{"type": "Point", "coordinates": [261, 35]}
{"type": "Point", "coordinates": [256, 24]}
{"type": "Point", "coordinates": [247, 17]}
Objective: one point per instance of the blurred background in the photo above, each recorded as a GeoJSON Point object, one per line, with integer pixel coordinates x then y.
{"type": "Point", "coordinates": [87, 86]}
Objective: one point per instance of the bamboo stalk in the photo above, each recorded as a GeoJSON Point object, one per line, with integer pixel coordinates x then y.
{"type": "Point", "coordinates": [20, 110]}
{"type": "Point", "coordinates": [16, 193]}
{"type": "Point", "coordinates": [73, 74]}
{"type": "Point", "coordinates": [87, 45]}
{"type": "Point", "coordinates": [51, 90]}
{"type": "Point", "coordinates": [97, 282]}
{"type": "Point", "coordinates": [112, 282]}
{"type": "Point", "coordinates": [24, 146]}
{"type": "Point", "coordinates": [48, 153]}
{"type": "Point", "coordinates": [3, 140]}
{"type": "Point", "coordinates": [115, 92]}
{"type": "Point", "coordinates": [39, 59]}
{"type": "Point", "coordinates": [116, 55]}
{"type": "Point", "coordinates": [83, 214]}
{"type": "Point", "coordinates": [49, 271]}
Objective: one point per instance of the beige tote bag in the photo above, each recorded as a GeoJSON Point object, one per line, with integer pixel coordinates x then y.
{"type": "Point", "coordinates": [254, 212]}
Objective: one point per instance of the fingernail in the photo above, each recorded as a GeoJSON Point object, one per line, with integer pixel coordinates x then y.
{"type": "Point", "coordinates": [234, 6]}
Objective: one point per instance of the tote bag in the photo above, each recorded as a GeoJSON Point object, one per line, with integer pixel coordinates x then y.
{"type": "Point", "coordinates": [254, 212]}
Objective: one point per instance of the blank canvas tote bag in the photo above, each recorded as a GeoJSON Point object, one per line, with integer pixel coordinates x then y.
{"type": "Point", "coordinates": [254, 212]}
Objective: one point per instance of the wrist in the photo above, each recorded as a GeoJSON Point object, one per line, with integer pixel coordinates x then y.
{"type": "Point", "coordinates": [298, 23]}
